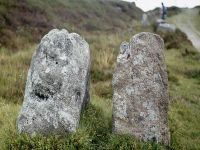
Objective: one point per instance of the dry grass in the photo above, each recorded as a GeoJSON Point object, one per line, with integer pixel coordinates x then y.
{"type": "Point", "coordinates": [14, 67]}
{"type": "Point", "coordinates": [95, 131]}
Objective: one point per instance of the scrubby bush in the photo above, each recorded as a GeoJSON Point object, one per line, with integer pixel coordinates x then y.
{"type": "Point", "coordinates": [175, 40]}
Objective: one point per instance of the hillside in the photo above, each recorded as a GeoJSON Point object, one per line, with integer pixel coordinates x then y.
{"type": "Point", "coordinates": [27, 20]}
{"type": "Point", "coordinates": [105, 24]}
{"type": "Point", "coordinates": [189, 22]}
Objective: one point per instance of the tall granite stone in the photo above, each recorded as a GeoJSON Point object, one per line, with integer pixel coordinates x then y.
{"type": "Point", "coordinates": [140, 85]}
{"type": "Point", "coordinates": [57, 86]}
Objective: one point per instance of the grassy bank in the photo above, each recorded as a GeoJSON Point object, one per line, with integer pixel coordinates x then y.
{"type": "Point", "coordinates": [95, 131]}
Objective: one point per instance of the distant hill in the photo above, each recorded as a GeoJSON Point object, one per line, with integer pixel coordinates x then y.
{"type": "Point", "coordinates": [30, 19]}
{"type": "Point", "coordinates": [155, 13]}
{"type": "Point", "coordinates": [188, 21]}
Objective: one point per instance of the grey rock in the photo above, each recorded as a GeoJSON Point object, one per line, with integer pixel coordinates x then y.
{"type": "Point", "coordinates": [164, 26]}
{"type": "Point", "coordinates": [57, 86]}
{"type": "Point", "coordinates": [140, 85]}
{"type": "Point", "coordinates": [145, 20]}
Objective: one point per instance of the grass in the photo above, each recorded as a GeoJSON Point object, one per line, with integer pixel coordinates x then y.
{"type": "Point", "coordinates": [104, 35]}
{"type": "Point", "coordinates": [13, 74]}
{"type": "Point", "coordinates": [95, 130]}
{"type": "Point", "coordinates": [185, 101]}
{"type": "Point", "coordinates": [196, 18]}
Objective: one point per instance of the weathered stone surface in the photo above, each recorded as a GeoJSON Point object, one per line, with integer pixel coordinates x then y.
{"type": "Point", "coordinates": [140, 85]}
{"type": "Point", "coordinates": [164, 26]}
{"type": "Point", "coordinates": [57, 85]}
{"type": "Point", "coordinates": [145, 20]}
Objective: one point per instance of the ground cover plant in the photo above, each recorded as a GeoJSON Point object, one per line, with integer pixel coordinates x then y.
{"type": "Point", "coordinates": [95, 130]}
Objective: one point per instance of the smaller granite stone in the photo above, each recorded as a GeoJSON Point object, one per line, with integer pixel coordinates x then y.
{"type": "Point", "coordinates": [140, 85]}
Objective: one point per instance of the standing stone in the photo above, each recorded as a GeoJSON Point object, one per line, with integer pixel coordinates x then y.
{"type": "Point", "coordinates": [57, 85]}
{"type": "Point", "coordinates": [140, 85]}
{"type": "Point", "coordinates": [145, 21]}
